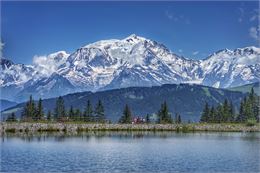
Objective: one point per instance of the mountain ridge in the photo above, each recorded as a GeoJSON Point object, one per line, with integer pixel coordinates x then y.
{"type": "Point", "coordinates": [132, 61]}
{"type": "Point", "coordinates": [143, 100]}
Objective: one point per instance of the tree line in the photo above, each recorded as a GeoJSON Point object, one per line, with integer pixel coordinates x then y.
{"type": "Point", "coordinates": [163, 116]}
{"type": "Point", "coordinates": [225, 112]}
{"type": "Point", "coordinates": [35, 112]}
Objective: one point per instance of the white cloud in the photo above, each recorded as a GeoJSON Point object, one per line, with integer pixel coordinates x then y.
{"type": "Point", "coordinates": [195, 53]}
{"type": "Point", "coordinates": [255, 16]}
{"type": "Point", "coordinates": [254, 33]}
{"type": "Point", "coordinates": [44, 65]}
{"type": "Point", "coordinates": [241, 14]}
{"type": "Point", "coordinates": [168, 15]}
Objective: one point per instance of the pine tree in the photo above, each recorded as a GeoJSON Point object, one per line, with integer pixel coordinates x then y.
{"type": "Point", "coordinates": [254, 100]}
{"type": "Point", "coordinates": [100, 113]}
{"type": "Point", "coordinates": [39, 114]}
{"type": "Point", "coordinates": [257, 108]}
{"type": "Point", "coordinates": [212, 115]}
{"type": "Point", "coordinates": [226, 111]}
{"type": "Point", "coordinates": [147, 118]}
{"type": "Point", "coordinates": [59, 109]}
{"type": "Point", "coordinates": [248, 109]}
{"type": "Point", "coordinates": [71, 113]}
{"type": "Point", "coordinates": [49, 115]}
{"type": "Point", "coordinates": [218, 114]}
{"type": "Point", "coordinates": [231, 117]}
{"type": "Point", "coordinates": [127, 115]}
{"type": "Point", "coordinates": [179, 119]}
{"type": "Point", "coordinates": [176, 118]}
{"type": "Point", "coordinates": [88, 114]}
{"type": "Point", "coordinates": [78, 114]}
{"type": "Point", "coordinates": [163, 114]}
{"type": "Point", "coordinates": [241, 116]}
{"type": "Point", "coordinates": [29, 111]}
{"type": "Point", "coordinates": [205, 114]}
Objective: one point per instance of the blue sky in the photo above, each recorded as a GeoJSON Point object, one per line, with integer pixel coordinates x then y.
{"type": "Point", "coordinates": [191, 29]}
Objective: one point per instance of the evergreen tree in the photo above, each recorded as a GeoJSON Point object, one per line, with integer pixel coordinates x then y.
{"type": "Point", "coordinates": [163, 114]}
{"type": "Point", "coordinates": [179, 119]}
{"type": "Point", "coordinates": [29, 111]}
{"type": "Point", "coordinates": [39, 114]}
{"type": "Point", "coordinates": [205, 114]}
{"type": "Point", "coordinates": [127, 116]}
{"type": "Point", "coordinates": [218, 114]}
{"type": "Point", "coordinates": [49, 115]}
{"type": "Point", "coordinates": [212, 115]}
{"type": "Point", "coordinates": [88, 114]}
{"type": "Point", "coordinates": [241, 116]}
{"type": "Point", "coordinates": [147, 118]}
{"type": "Point", "coordinates": [71, 113]}
{"type": "Point", "coordinates": [100, 113]}
{"type": "Point", "coordinates": [78, 114]}
{"type": "Point", "coordinates": [254, 101]}
{"type": "Point", "coordinates": [231, 117]}
{"type": "Point", "coordinates": [248, 109]}
{"type": "Point", "coordinates": [257, 108]}
{"type": "Point", "coordinates": [59, 109]}
{"type": "Point", "coordinates": [226, 111]}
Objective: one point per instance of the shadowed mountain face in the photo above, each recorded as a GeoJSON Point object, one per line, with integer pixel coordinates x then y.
{"type": "Point", "coordinates": [188, 100]}
{"type": "Point", "coordinates": [4, 104]}
{"type": "Point", "coordinates": [133, 61]}
{"type": "Point", "coordinates": [247, 88]}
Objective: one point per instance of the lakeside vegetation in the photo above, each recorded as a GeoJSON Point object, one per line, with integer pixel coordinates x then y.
{"type": "Point", "coordinates": [76, 127]}
{"type": "Point", "coordinates": [225, 113]}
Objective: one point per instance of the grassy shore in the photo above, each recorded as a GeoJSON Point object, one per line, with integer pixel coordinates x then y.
{"type": "Point", "coordinates": [80, 126]}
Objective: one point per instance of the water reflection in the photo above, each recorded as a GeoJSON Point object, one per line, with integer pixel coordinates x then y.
{"type": "Point", "coordinates": [61, 136]}
{"type": "Point", "coordinates": [135, 151]}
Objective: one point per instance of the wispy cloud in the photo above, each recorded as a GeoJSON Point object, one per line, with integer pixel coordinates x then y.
{"type": "Point", "coordinates": [195, 53]}
{"type": "Point", "coordinates": [241, 14]}
{"type": "Point", "coordinates": [254, 32]}
{"type": "Point", "coordinates": [255, 16]}
{"type": "Point", "coordinates": [180, 50]}
{"type": "Point", "coordinates": [177, 18]}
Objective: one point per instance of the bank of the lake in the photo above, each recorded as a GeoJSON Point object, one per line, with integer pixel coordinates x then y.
{"type": "Point", "coordinates": [76, 127]}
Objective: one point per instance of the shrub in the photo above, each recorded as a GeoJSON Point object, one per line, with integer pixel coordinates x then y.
{"type": "Point", "coordinates": [251, 122]}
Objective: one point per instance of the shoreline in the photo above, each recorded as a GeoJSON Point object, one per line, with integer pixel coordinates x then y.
{"type": "Point", "coordinates": [80, 127]}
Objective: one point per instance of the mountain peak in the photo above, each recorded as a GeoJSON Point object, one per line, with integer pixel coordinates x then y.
{"type": "Point", "coordinates": [60, 54]}
{"type": "Point", "coordinates": [5, 62]}
{"type": "Point", "coordinates": [249, 49]}
{"type": "Point", "coordinates": [134, 37]}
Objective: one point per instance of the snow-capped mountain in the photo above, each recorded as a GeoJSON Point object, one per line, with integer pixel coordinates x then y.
{"type": "Point", "coordinates": [229, 68]}
{"type": "Point", "coordinates": [133, 61]}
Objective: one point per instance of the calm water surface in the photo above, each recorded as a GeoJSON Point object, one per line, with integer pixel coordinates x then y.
{"type": "Point", "coordinates": [132, 152]}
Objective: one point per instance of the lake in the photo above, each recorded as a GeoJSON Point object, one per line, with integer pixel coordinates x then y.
{"type": "Point", "coordinates": [131, 152]}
